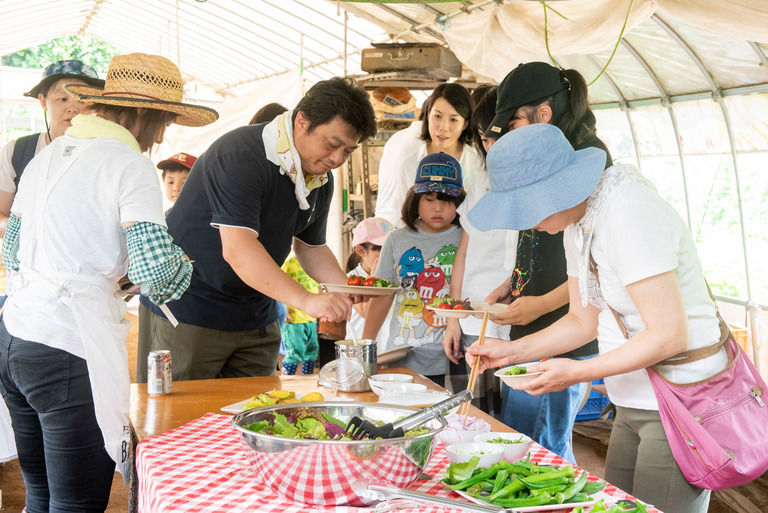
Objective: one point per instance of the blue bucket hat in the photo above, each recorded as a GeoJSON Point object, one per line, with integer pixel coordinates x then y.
{"type": "Point", "coordinates": [438, 172]}
{"type": "Point", "coordinates": [65, 69]}
{"type": "Point", "coordinates": [534, 173]}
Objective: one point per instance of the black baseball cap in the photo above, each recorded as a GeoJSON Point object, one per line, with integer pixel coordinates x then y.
{"type": "Point", "coordinates": [527, 83]}
{"type": "Point", "coordinates": [65, 69]}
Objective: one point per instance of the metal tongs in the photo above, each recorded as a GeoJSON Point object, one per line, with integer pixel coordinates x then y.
{"type": "Point", "coordinates": [358, 428]}
{"type": "Point", "coordinates": [387, 493]}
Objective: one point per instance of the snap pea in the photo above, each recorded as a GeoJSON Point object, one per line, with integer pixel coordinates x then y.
{"type": "Point", "coordinates": [515, 486]}
{"type": "Point", "coordinates": [477, 478]}
{"type": "Point", "coordinates": [593, 487]}
{"type": "Point", "coordinates": [579, 497]}
{"type": "Point", "coordinates": [551, 490]}
{"type": "Point", "coordinates": [572, 490]}
{"type": "Point", "coordinates": [567, 471]}
{"type": "Point", "coordinates": [538, 500]}
{"type": "Point", "coordinates": [544, 484]}
{"type": "Point", "coordinates": [501, 478]}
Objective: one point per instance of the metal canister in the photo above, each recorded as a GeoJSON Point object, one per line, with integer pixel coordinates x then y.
{"type": "Point", "coordinates": [159, 373]}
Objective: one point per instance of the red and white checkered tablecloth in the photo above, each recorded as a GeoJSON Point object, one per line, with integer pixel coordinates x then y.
{"type": "Point", "coordinates": [201, 467]}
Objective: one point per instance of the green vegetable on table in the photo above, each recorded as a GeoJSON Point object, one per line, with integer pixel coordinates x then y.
{"type": "Point", "coordinates": [522, 484]}
{"type": "Point", "coordinates": [505, 441]}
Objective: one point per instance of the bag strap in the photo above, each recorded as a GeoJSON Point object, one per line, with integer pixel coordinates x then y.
{"type": "Point", "coordinates": [23, 152]}
{"type": "Point", "coordinates": [689, 356]}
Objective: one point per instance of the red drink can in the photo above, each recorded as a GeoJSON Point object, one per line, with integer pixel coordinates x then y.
{"type": "Point", "coordinates": [159, 373]}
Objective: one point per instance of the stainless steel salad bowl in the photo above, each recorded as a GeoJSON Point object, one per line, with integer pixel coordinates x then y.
{"type": "Point", "coordinates": [328, 472]}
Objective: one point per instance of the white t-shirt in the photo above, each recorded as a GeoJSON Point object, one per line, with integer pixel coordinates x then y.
{"type": "Point", "coordinates": [397, 170]}
{"type": "Point", "coordinates": [7, 173]}
{"type": "Point", "coordinates": [358, 322]}
{"type": "Point", "coordinates": [489, 260]}
{"type": "Point", "coordinates": [636, 235]}
{"type": "Point", "coordinates": [108, 185]}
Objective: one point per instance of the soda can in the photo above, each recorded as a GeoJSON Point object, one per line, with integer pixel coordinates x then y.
{"type": "Point", "coordinates": [159, 373]}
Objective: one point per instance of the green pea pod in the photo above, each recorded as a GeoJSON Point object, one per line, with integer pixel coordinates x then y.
{"type": "Point", "coordinates": [572, 490]}
{"type": "Point", "coordinates": [477, 478]}
{"type": "Point", "coordinates": [538, 500]}
{"type": "Point", "coordinates": [567, 471]}
{"type": "Point", "coordinates": [501, 478]}
{"type": "Point", "coordinates": [593, 487]}
{"type": "Point", "coordinates": [579, 497]}
{"type": "Point", "coordinates": [533, 485]}
{"type": "Point", "coordinates": [551, 490]}
{"type": "Point", "coordinates": [515, 486]}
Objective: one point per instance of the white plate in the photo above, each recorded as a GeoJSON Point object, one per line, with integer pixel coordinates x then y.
{"type": "Point", "coordinates": [413, 399]}
{"type": "Point", "coordinates": [478, 308]}
{"type": "Point", "coordinates": [551, 507]}
{"type": "Point", "coordinates": [517, 378]}
{"type": "Point", "coordinates": [360, 290]}
{"type": "Point", "coordinates": [238, 406]}
{"type": "Point", "coordinates": [392, 356]}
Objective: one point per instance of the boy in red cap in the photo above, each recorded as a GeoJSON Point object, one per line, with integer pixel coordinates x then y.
{"type": "Point", "coordinates": [175, 171]}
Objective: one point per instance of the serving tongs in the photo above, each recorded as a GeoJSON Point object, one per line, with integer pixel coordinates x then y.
{"type": "Point", "coordinates": [358, 428]}
{"type": "Point", "coordinates": [387, 493]}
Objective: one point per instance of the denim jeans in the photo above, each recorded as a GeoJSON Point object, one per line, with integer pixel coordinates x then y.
{"type": "Point", "coordinates": [547, 418]}
{"type": "Point", "coordinates": [61, 450]}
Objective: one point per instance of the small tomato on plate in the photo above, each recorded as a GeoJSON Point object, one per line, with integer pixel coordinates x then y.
{"type": "Point", "coordinates": [370, 281]}
{"type": "Point", "coordinates": [354, 281]}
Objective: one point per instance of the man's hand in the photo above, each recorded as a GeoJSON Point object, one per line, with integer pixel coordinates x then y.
{"type": "Point", "coordinates": [500, 294]}
{"type": "Point", "coordinates": [333, 307]}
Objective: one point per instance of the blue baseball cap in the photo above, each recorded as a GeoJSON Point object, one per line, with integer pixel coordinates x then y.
{"type": "Point", "coordinates": [438, 172]}
{"type": "Point", "coordinates": [534, 173]}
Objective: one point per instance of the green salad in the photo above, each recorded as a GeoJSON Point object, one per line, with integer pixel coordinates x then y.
{"type": "Point", "coordinates": [505, 441]}
{"type": "Point", "coordinates": [516, 370]}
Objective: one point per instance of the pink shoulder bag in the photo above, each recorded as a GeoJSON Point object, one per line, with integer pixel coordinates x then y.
{"type": "Point", "coordinates": [718, 427]}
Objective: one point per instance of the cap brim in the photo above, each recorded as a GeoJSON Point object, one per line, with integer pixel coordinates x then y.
{"type": "Point", "coordinates": [451, 190]}
{"type": "Point", "coordinates": [188, 114]}
{"type": "Point", "coordinates": [499, 124]}
{"type": "Point", "coordinates": [525, 207]}
{"type": "Point", "coordinates": [35, 91]}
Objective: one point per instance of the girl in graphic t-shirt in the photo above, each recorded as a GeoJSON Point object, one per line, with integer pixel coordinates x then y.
{"type": "Point", "coordinates": [419, 258]}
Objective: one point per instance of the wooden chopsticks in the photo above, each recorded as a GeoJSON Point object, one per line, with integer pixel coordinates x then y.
{"type": "Point", "coordinates": [464, 409]}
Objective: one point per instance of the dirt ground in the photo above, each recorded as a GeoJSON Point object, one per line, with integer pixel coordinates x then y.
{"type": "Point", "coordinates": [590, 443]}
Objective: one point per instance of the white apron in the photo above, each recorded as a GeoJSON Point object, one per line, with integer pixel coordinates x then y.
{"type": "Point", "coordinates": [93, 301]}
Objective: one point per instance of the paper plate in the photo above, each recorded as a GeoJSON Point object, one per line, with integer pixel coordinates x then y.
{"type": "Point", "coordinates": [478, 309]}
{"type": "Point", "coordinates": [518, 378]}
{"type": "Point", "coordinates": [238, 406]}
{"type": "Point", "coordinates": [360, 290]}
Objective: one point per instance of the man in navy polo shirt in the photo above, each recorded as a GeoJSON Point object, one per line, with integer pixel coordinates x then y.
{"type": "Point", "coordinates": [255, 193]}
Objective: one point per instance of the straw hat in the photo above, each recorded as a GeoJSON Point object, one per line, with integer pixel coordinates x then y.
{"type": "Point", "coordinates": [148, 81]}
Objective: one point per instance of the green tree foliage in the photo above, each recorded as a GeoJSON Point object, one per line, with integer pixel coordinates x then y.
{"type": "Point", "coordinates": [93, 52]}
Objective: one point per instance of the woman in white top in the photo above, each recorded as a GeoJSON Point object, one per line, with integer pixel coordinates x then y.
{"type": "Point", "coordinates": [88, 212]}
{"type": "Point", "coordinates": [445, 128]}
{"type": "Point", "coordinates": [649, 272]}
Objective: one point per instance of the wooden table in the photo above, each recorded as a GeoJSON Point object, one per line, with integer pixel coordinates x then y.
{"type": "Point", "coordinates": [152, 415]}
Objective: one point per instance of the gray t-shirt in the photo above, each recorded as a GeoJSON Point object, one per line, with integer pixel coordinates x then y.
{"type": "Point", "coordinates": [421, 264]}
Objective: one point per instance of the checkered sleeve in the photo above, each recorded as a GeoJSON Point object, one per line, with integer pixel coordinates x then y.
{"type": "Point", "coordinates": [11, 243]}
{"type": "Point", "coordinates": [159, 266]}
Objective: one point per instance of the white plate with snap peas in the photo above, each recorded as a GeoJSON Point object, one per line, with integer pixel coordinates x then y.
{"type": "Point", "coordinates": [515, 379]}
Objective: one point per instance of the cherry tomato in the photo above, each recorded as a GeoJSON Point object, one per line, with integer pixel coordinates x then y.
{"type": "Point", "coordinates": [370, 281]}
{"type": "Point", "coordinates": [354, 281]}
{"type": "Point", "coordinates": [444, 306]}
{"type": "Point", "coordinates": [459, 306]}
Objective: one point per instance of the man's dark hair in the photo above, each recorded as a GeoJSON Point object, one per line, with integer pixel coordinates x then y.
{"type": "Point", "coordinates": [338, 97]}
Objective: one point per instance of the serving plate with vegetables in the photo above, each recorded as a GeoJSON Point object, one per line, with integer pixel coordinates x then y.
{"type": "Point", "coordinates": [371, 286]}
{"type": "Point", "coordinates": [524, 486]}
{"type": "Point", "coordinates": [516, 374]}
{"type": "Point", "coordinates": [461, 308]}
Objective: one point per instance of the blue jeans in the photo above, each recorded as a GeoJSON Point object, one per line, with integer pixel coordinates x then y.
{"type": "Point", "coordinates": [548, 418]}
{"type": "Point", "coordinates": [61, 450]}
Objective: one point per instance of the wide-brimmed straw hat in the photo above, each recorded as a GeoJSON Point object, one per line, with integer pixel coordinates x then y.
{"type": "Point", "coordinates": [148, 81]}
{"type": "Point", "coordinates": [534, 173]}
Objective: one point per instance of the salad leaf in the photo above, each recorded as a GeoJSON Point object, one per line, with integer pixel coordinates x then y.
{"type": "Point", "coordinates": [333, 420]}
{"type": "Point", "coordinates": [280, 424]}
{"type": "Point", "coordinates": [463, 471]}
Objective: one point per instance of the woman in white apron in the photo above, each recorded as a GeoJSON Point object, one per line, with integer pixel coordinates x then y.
{"type": "Point", "coordinates": [88, 211]}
